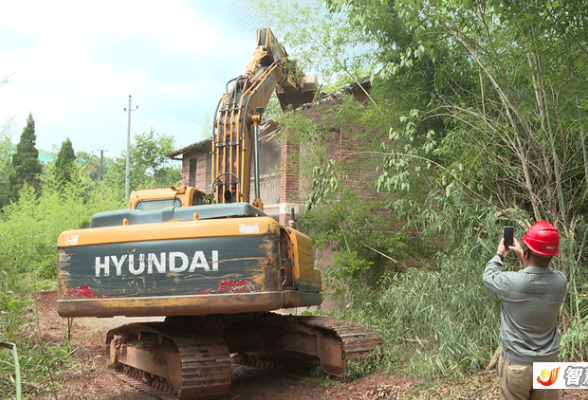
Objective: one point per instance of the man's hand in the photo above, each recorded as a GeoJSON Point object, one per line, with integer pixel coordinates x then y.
{"type": "Point", "coordinates": [516, 247]}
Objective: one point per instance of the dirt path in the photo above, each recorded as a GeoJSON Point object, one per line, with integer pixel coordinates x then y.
{"type": "Point", "coordinates": [94, 380]}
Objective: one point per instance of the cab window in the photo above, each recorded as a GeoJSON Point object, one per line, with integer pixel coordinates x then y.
{"type": "Point", "coordinates": [147, 205]}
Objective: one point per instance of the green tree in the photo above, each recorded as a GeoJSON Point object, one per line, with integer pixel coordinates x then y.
{"type": "Point", "coordinates": [492, 101]}
{"type": "Point", "coordinates": [94, 168]}
{"type": "Point", "coordinates": [6, 150]}
{"type": "Point", "coordinates": [495, 87]}
{"type": "Point", "coordinates": [25, 162]}
{"type": "Point", "coordinates": [150, 168]}
{"type": "Point", "coordinates": [65, 163]}
{"type": "Point", "coordinates": [90, 165]}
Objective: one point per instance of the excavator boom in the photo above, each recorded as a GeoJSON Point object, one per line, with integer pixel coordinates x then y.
{"type": "Point", "coordinates": [240, 109]}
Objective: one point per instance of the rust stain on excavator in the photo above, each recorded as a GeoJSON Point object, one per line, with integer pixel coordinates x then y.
{"type": "Point", "coordinates": [267, 275]}
{"type": "Point", "coordinates": [231, 286]}
{"type": "Point", "coordinates": [272, 229]}
{"type": "Point", "coordinates": [86, 292]}
{"type": "Point", "coordinates": [63, 276]}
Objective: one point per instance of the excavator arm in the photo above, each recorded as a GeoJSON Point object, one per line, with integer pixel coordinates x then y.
{"type": "Point", "coordinates": [239, 113]}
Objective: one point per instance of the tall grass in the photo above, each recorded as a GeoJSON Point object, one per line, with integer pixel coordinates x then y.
{"type": "Point", "coordinates": [29, 230]}
{"type": "Point", "coordinates": [433, 322]}
{"type": "Point", "coordinates": [439, 320]}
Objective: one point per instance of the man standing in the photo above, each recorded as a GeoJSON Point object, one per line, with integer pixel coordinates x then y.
{"type": "Point", "coordinates": [531, 299]}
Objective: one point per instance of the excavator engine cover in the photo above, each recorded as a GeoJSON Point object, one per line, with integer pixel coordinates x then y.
{"type": "Point", "coordinates": [198, 260]}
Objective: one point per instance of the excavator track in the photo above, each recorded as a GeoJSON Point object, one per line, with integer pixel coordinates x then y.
{"type": "Point", "coordinates": [188, 358]}
{"type": "Point", "coordinates": [170, 363]}
{"type": "Point", "coordinates": [356, 340]}
{"type": "Point", "coordinates": [327, 342]}
{"type": "Point", "coordinates": [136, 377]}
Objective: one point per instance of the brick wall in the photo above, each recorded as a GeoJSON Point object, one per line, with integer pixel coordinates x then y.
{"type": "Point", "coordinates": [203, 168]}
{"type": "Point", "coordinates": [203, 172]}
{"type": "Point", "coordinates": [289, 181]}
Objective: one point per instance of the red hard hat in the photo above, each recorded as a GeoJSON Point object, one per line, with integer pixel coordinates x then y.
{"type": "Point", "coordinates": [542, 238]}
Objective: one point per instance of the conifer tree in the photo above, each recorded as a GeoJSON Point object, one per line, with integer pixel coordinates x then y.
{"type": "Point", "coordinates": [25, 162]}
{"type": "Point", "coordinates": [64, 163]}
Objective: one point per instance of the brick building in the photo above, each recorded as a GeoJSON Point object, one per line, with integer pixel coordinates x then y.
{"type": "Point", "coordinates": [280, 182]}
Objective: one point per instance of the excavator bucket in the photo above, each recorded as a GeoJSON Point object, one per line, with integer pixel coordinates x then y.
{"type": "Point", "coordinates": [297, 95]}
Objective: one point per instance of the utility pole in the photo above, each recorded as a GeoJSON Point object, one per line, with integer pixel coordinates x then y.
{"type": "Point", "coordinates": [100, 167]}
{"type": "Point", "coordinates": [128, 169]}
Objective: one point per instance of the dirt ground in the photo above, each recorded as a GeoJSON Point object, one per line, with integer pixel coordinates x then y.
{"type": "Point", "coordinates": [95, 380]}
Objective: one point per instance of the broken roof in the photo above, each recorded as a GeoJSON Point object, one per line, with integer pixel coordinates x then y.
{"type": "Point", "coordinates": [358, 89]}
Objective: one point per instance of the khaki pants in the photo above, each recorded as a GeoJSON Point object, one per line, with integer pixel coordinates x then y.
{"type": "Point", "coordinates": [516, 383]}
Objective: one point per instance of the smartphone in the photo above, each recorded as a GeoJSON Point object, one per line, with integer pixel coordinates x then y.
{"type": "Point", "coordinates": [508, 236]}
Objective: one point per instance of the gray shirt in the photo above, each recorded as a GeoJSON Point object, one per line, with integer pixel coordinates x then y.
{"type": "Point", "coordinates": [531, 299]}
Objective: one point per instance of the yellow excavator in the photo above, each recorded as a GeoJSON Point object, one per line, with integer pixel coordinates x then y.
{"type": "Point", "coordinates": [215, 271]}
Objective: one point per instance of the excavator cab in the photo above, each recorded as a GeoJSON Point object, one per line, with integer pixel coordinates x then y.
{"type": "Point", "coordinates": [156, 199]}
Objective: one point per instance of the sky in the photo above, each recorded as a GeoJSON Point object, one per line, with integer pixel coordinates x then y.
{"type": "Point", "coordinates": [73, 64]}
